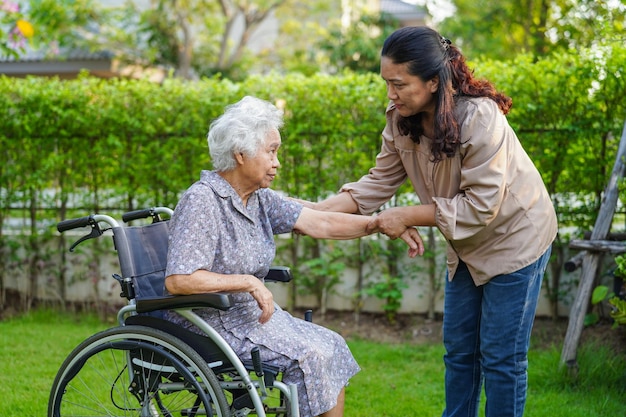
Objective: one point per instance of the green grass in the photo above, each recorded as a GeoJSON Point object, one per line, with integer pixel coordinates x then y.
{"type": "Point", "coordinates": [407, 381]}
{"type": "Point", "coordinates": [396, 380]}
{"type": "Point", "coordinates": [32, 348]}
{"type": "Point", "coordinates": [400, 380]}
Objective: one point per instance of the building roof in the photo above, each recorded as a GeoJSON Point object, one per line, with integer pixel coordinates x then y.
{"type": "Point", "coordinates": [403, 11]}
{"type": "Point", "coordinates": [67, 65]}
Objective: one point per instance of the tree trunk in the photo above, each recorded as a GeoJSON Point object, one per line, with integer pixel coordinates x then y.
{"type": "Point", "coordinates": [358, 298]}
{"type": "Point", "coordinates": [185, 51]}
{"type": "Point", "coordinates": [554, 283]}
{"type": "Point", "coordinates": [293, 289]}
{"type": "Point", "coordinates": [33, 249]}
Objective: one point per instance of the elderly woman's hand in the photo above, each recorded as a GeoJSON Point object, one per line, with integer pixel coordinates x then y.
{"type": "Point", "coordinates": [264, 299]}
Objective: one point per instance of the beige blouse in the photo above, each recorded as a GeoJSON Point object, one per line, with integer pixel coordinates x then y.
{"type": "Point", "coordinates": [491, 203]}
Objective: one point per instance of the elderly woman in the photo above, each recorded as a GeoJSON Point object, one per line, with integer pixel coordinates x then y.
{"type": "Point", "coordinates": [222, 240]}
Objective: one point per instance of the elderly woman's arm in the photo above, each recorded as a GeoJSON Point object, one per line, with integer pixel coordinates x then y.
{"type": "Point", "coordinates": [203, 281]}
{"type": "Point", "coordinates": [333, 225]}
{"type": "Point", "coordinates": [342, 202]}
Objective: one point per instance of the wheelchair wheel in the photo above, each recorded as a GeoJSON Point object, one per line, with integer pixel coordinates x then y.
{"type": "Point", "coordinates": [135, 371]}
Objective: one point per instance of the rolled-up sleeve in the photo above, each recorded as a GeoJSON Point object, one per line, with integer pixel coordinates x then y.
{"type": "Point", "coordinates": [483, 179]}
{"type": "Point", "coordinates": [380, 184]}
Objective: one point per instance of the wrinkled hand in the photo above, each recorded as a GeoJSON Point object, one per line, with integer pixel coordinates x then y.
{"type": "Point", "coordinates": [265, 300]}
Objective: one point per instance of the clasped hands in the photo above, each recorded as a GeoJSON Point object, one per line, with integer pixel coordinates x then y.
{"type": "Point", "coordinates": [390, 224]}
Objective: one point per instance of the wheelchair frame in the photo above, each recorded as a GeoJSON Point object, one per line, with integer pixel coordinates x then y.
{"type": "Point", "coordinates": [174, 355]}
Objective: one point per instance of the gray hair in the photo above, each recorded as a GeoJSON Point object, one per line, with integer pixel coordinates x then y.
{"type": "Point", "coordinates": [242, 128]}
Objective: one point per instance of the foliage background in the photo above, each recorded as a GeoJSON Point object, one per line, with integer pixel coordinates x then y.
{"type": "Point", "coordinates": [69, 148]}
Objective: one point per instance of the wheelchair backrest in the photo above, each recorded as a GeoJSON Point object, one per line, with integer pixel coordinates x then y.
{"type": "Point", "coordinates": [142, 253]}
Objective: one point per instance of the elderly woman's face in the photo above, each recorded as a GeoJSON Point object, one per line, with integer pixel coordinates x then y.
{"type": "Point", "coordinates": [261, 169]}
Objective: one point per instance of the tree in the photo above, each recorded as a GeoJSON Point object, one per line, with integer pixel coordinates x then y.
{"type": "Point", "coordinates": [302, 28]}
{"type": "Point", "coordinates": [358, 47]}
{"type": "Point", "coordinates": [195, 38]}
{"type": "Point", "coordinates": [200, 37]}
{"type": "Point", "coordinates": [73, 24]}
{"type": "Point", "coordinates": [502, 30]}
{"type": "Point", "coordinates": [169, 30]}
{"type": "Point", "coordinates": [191, 38]}
{"type": "Point", "coordinates": [233, 28]}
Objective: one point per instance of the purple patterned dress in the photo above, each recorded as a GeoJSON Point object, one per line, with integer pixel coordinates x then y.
{"type": "Point", "coordinates": [212, 230]}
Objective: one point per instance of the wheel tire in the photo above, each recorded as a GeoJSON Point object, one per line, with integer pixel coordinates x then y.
{"type": "Point", "coordinates": [166, 377]}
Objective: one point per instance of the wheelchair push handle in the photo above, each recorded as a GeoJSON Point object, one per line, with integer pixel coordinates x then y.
{"type": "Point", "coordinates": [92, 220]}
{"type": "Point", "coordinates": [70, 224]}
{"type": "Point", "coordinates": [154, 212]}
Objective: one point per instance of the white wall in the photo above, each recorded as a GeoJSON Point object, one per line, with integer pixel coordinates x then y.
{"type": "Point", "coordinates": [91, 283]}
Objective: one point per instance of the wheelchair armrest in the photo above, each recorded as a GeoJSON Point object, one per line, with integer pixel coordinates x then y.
{"type": "Point", "coordinates": [220, 301]}
{"type": "Point", "coordinates": [278, 274]}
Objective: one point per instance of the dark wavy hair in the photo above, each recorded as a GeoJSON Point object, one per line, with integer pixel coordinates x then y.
{"type": "Point", "coordinates": [428, 54]}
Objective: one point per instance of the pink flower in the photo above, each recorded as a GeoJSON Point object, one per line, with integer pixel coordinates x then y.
{"type": "Point", "coordinates": [9, 6]}
{"type": "Point", "coordinates": [16, 39]}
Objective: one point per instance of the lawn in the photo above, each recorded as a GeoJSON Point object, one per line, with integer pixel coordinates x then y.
{"type": "Point", "coordinates": [397, 380]}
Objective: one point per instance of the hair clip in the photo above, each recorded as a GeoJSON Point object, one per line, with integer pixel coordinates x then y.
{"type": "Point", "coordinates": [445, 43]}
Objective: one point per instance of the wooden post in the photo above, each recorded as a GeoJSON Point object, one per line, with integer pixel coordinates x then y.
{"type": "Point", "coordinates": [591, 259]}
{"type": "Point", "coordinates": [599, 246]}
{"type": "Point", "coordinates": [576, 261]}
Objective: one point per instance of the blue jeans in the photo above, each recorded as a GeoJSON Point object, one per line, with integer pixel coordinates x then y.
{"type": "Point", "coordinates": [486, 333]}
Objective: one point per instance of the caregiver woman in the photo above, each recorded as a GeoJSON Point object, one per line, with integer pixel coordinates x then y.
{"type": "Point", "coordinates": [448, 134]}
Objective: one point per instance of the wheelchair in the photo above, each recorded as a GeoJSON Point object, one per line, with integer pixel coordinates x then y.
{"type": "Point", "coordinates": [147, 366]}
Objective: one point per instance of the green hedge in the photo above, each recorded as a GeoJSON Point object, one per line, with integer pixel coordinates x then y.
{"type": "Point", "coordinates": [126, 144]}
{"type": "Point", "coordinates": [72, 147]}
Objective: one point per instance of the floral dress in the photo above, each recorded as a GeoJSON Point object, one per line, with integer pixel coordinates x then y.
{"type": "Point", "coordinates": [211, 229]}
